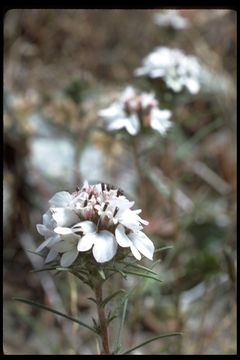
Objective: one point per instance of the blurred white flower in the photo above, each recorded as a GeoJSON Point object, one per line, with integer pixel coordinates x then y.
{"type": "Point", "coordinates": [175, 68]}
{"type": "Point", "coordinates": [133, 111]}
{"type": "Point", "coordinates": [171, 18]}
{"type": "Point", "coordinates": [97, 217]}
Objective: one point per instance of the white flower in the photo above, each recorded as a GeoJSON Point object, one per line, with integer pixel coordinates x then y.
{"type": "Point", "coordinates": [133, 111]}
{"type": "Point", "coordinates": [97, 217]}
{"type": "Point", "coordinates": [171, 18]}
{"type": "Point", "coordinates": [175, 68]}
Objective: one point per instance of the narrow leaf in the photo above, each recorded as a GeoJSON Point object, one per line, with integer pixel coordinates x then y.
{"type": "Point", "coordinates": [92, 299]}
{"type": "Point", "coordinates": [110, 297]}
{"type": "Point", "coordinates": [117, 346]}
{"type": "Point", "coordinates": [143, 275]}
{"type": "Point", "coordinates": [137, 266]}
{"type": "Point", "coordinates": [41, 306]}
{"type": "Point", "coordinates": [75, 273]}
{"type": "Point", "coordinates": [150, 340]}
{"type": "Point", "coordinates": [43, 269]}
{"type": "Point", "coordinates": [35, 253]}
{"type": "Point", "coordinates": [102, 274]}
{"type": "Point", "coordinates": [164, 248]}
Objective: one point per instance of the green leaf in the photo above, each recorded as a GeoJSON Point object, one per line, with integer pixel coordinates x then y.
{"type": "Point", "coordinates": [92, 299]}
{"type": "Point", "coordinates": [118, 270]}
{"type": "Point", "coordinates": [150, 340]}
{"type": "Point", "coordinates": [117, 345]}
{"type": "Point", "coordinates": [102, 274]}
{"type": "Point", "coordinates": [111, 318]}
{"type": "Point", "coordinates": [164, 248]}
{"type": "Point", "coordinates": [137, 266]}
{"type": "Point", "coordinates": [35, 253]}
{"type": "Point", "coordinates": [143, 275]}
{"type": "Point", "coordinates": [110, 297]}
{"type": "Point", "coordinates": [44, 269]}
{"type": "Point", "coordinates": [75, 273]}
{"type": "Point", "coordinates": [41, 306]}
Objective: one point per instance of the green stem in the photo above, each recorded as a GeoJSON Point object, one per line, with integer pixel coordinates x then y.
{"type": "Point", "coordinates": [102, 319]}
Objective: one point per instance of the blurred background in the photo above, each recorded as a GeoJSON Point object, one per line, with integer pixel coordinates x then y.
{"type": "Point", "coordinates": [60, 68]}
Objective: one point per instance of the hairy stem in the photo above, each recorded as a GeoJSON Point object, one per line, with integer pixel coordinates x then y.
{"type": "Point", "coordinates": [102, 319]}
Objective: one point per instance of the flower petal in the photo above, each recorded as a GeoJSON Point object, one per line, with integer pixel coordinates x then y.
{"type": "Point", "coordinates": [43, 230]}
{"type": "Point", "coordinates": [85, 226]}
{"type": "Point", "coordinates": [159, 120]}
{"type": "Point", "coordinates": [64, 217]}
{"type": "Point", "coordinates": [69, 257]}
{"type": "Point", "coordinates": [119, 123]}
{"type": "Point", "coordinates": [63, 246]}
{"type": "Point", "coordinates": [112, 111]}
{"type": "Point", "coordinates": [61, 199]}
{"type": "Point", "coordinates": [105, 246]}
{"type": "Point", "coordinates": [49, 242]}
{"type": "Point", "coordinates": [135, 252]}
{"type": "Point", "coordinates": [63, 230]}
{"type": "Point", "coordinates": [121, 237]}
{"type": "Point", "coordinates": [133, 124]}
{"type": "Point", "coordinates": [142, 243]}
{"type": "Point", "coordinates": [86, 242]}
{"type": "Point", "coordinates": [48, 220]}
{"type": "Point", "coordinates": [51, 255]}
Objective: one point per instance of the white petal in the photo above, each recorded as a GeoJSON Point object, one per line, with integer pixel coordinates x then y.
{"type": "Point", "coordinates": [86, 242]}
{"type": "Point", "coordinates": [142, 243]}
{"type": "Point", "coordinates": [68, 258]}
{"type": "Point", "coordinates": [51, 255]}
{"type": "Point", "coordinates": [192, 85]}
{"type": "Point", "coordinates": [63, 246]}
{"type": "Point", "coordinates": [112, 111]}
{"type": "Point", "coordinates": [118, 123]}
{"type": "Point", "coordinates": [105, 246]}
{"type": "Point", "coordinates": [43, 230]}
{"type": "Point", "coordinates": [121, 237]}
{"type": "Point", "coordinates": [63, 230]}
{"type": "Point", "coordinates": [132, 125]}
{"type": "Point", "coordinates": [159, 120]}
{"type": "Point", "coordinates": [137, 211]}
{"type": "Point", "coordinates": [131, 220]}
{"type": "Point", "coordinates": [135, 252]}
{"type": "Point", "coordinates": [50, 241]}
{"type": "Point", "coordinates": [127, 94]}
{"type": "Point", "coordinates": [60, 199]}
{"type": "Point", "coordinates": [64, 217]}
{"type": "Point", "coordinates": [85, 226]}
{"type": "Point", "coordinates": [48, 220]}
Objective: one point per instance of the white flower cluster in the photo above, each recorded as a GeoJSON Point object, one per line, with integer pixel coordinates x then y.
{"type": "Point", "coordinates": [175, 68]}
{"type": "Point", "coordinates": [97, 217]}
{"type": "Point", "coordinates": [171, 18]}
{"type": "Point", "coordinates": [133, 111]}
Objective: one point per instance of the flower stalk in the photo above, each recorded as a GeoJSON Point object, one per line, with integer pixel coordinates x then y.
{"type": "Point", "coordinates": [102, 319]}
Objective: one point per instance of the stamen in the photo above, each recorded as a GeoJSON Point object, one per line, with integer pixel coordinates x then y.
{"type": "Point", "coordinates": [85, 203]}
{"type": "Point", "coordinates": [108, 187]}
{"type": "Point", "coordinates": [105, 206]}
{"type": "Point", "coordinates": [90, 196]}
{"type": "Point", "coordinates": [103, 186]}
{"type": "Point", "coordinates": [77, 188]}
{"type": "Point", "coordinates": [119, 192]}
{"type": "Point", "coordinates": [115, 211]}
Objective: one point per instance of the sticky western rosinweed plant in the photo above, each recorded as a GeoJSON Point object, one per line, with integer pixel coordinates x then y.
{"type": "Point", "coordinates": [94, 233]}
